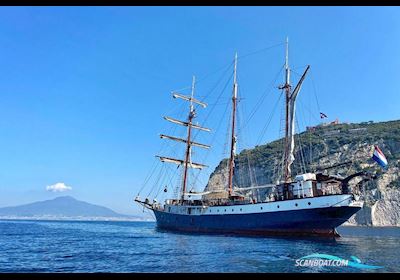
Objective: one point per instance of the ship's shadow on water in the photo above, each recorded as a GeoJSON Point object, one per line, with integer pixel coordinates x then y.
{"type": "Point", "coordinates": [295, 238]}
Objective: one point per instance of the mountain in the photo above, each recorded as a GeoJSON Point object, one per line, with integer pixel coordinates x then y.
{"type": "Point", "coordinates": [327, 145]}
{"type": "Point", "coordinates": [63, 207]}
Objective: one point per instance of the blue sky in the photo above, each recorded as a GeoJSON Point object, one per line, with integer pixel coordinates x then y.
{"type": "Point", "coordinates": [83, 89]}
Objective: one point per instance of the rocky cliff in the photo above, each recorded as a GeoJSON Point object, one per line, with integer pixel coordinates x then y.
{"type": "Point", "coordinates": [325, 146]}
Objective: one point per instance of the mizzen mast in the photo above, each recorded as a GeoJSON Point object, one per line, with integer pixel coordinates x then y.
{"type": "Point", "coordinates": [233, 136]}
{"type": "Point", "coordinates": [287, 88]}
{"type": "Point", "coordinates": [187, 161]}
{"type": "Point", "coordinates": [290, 98]}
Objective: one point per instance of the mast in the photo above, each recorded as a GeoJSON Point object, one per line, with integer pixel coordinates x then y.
{"type": "Point", "coordinates": [233, 136]}
{"type": "Point", "coordinates": [187, 161]}
{"type": "Point", "coordinates": [290, 98]}
{"type": "Point", "coordinates": [188, 141]}
{"type": "Point", "coordinates": [287, 87]}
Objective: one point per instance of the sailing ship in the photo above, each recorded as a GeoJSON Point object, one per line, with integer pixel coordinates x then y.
{"type": "Point", "coordinates": [295, 206]}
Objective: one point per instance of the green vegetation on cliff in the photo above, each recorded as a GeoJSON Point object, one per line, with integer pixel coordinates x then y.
{"type": "Point", "coordinates": [322, 146]}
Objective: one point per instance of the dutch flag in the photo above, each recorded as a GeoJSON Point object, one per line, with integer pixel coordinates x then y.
{"type": "Point", "coordinates": [379, 157]}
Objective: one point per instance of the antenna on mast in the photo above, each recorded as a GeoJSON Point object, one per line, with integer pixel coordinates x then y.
{"type": "Point", "coordinates": [287, 81]}
{"type": "Point", "coordinates": [192, 93]}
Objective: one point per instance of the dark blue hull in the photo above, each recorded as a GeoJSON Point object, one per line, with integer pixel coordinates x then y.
{"type": "Point", "coordinates": [317, 221]}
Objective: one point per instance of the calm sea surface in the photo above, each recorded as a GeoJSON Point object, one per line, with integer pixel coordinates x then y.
{"type": "Point", "coordinates": [60, 246]}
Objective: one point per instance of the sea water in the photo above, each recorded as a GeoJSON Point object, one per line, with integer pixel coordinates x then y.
{"type": "Point", "coordinates": [64, 246]}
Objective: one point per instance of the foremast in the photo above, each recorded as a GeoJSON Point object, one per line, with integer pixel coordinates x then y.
{"type": "Point", "coordinates": [187, 161]}
{"type": "Point", "coordinates": [290, 99]}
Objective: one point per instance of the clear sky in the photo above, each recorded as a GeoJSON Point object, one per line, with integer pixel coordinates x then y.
{"type": "Point", "coordinates": [83, 89]}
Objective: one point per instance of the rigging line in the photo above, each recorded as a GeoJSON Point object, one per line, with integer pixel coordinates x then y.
{"type": "Point", "coordinates": [216, 133]}
{"type": "Point", "coordinates": [303, 118]}
{"type": "Point", "coordinates": [241, 134]}
{"type": "Point", "coordinates": [263, 96]}
{"type": "Point", "coordinates": [299, 140]}
{"type": "Point", "coordinates": [309, 110]}
{"type": "Point", "coordinates": [159, 175]}
{"type": "Point", "coordinates": [156, 162]}
{"type": "Point", "coordinates": [269, 120]}
{"type": "Point", "coordinates": [212, 109]}
{"type": "Point", "coordinates": [281, 143]}
{"type": "Point", "coordinates": [216, 85]}
{"type": "Point", "coordinates": [262, 50]}
{"type": "Point", "coordinates": [251, 167]}
{"type": "Point", "coordinates": [165, 179]}
{"type": "Point", "coordinates": [172, 170]}
{"type": "Point", "coordinates": [170, 173]}
{"type": "Point", "coordinates": [227, 65]}
{"type": "Point", "coordinates": [170, 130]}
{"type": "Point", "coordinates": [149, 175]}
{"type": "Point", "coordinates": [182, 89]}
{"type": "Point", "coordinates": [157, 182]}
{"type": "Point", "coordinates": [298, 67]}
{"type": "Point", "coordinates": [315, 91]}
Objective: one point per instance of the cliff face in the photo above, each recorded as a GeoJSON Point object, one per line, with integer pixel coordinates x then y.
{"type": "Point", "coordinates": [325, 146]}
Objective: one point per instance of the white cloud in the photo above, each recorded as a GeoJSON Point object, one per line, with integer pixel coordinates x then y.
{"type": "Point", "coordinates": [58, 187]}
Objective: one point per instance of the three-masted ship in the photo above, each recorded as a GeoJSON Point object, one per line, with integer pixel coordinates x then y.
{"type": "Point", "coordinates": [295, 206]}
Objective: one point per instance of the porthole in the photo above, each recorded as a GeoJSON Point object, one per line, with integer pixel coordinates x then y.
{"type": "Point", "coordinates": [225, 210]}
{"type": "Point", "coordinates": [232, 210]}
{"type": "Point", "coordinates": [277, 206]}
{"type": "Point", "coordinates": [261, 208]}
{"type": "Point", "coordinates": [296, 205]}
{"type": "Point", "coordinates": [309, 203]}
{"type": "Point", "coordinates": [240, 209]}
{"type": "Point", "coordinates": [218, 210]}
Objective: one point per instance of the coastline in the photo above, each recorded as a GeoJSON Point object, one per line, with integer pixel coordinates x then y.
{"type": "Point", "coordinates": [73, 219]}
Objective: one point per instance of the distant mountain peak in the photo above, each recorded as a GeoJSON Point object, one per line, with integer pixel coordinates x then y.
{"type": "Point", "coordinates": [65, 197]}
{"type": "Point", "coordinates": [61, 207]}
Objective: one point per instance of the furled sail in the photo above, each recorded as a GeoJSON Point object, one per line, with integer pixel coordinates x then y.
{"type": "Point", "coordinates": [204, 193]}
{"type": "Point", "coordinates": [179, 162]}
{"type": "Point", "coordinates": [191, 99]}
{"type": "Point", "coordinates": [255, 187]}
{"type": "Point", "coordinates": [185, 141]}
{"type": "Point", "coordinates": [186, 124]}
{"type": "Point", "coordinates": [292, 111]}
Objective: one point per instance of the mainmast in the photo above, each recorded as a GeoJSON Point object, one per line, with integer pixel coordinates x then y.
{"type": "Point", "coordinates": [187, 161]}
{"type": "Point", "coordinates": [233, 136]}
{"type": "Point", "coordinates": [290, 98]}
